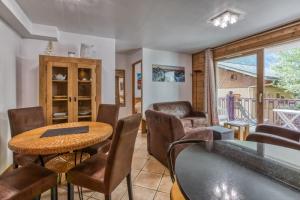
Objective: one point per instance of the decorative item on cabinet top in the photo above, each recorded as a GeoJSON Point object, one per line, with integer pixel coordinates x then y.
{"type": "Point", "coordinates": [70, 88]}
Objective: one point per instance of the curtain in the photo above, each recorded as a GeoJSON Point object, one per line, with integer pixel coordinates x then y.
{"type": "Point", "coordinates": [210, 90]}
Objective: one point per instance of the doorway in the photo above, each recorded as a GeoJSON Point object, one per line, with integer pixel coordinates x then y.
{"type": "Point", "coordinates": [137, 87]}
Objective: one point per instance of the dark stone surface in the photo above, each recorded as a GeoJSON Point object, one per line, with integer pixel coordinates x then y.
{"type": "Point", "coordinates": [203, 169]}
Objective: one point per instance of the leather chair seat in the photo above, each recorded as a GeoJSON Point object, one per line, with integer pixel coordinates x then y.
{"type": "Point", "coordinates": [26, 182]}
{"type": "Point", "coordinates": [89, 174]}
{"type": "Point", "coordinates": [23, 160]}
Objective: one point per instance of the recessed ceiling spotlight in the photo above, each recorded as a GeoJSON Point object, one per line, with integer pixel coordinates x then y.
{"type": "Point", "coordinates": [225, 18]}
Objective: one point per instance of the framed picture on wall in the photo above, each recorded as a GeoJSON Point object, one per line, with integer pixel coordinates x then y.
{"type": "Point", "coordinates": [164, 73]}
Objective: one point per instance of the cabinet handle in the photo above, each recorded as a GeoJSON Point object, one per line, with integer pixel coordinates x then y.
{"type": "Point", "coordinates": [70, 99]}
{"type": "Point", "coordinates": [75, 99]}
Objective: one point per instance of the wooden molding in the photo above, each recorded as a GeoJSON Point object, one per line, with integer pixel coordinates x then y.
{"type": "Point", "coordinates": [133, 86]}
{"type": "Point", "coordinates": [254, 43]}
{"type": "Point", "coordinates": [278, 35]}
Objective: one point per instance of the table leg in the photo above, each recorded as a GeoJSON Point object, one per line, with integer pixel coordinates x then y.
{"type": "Point", "coordinates": [241, 133]}
{"type": "Point", "coordinates": [70, 191]}
{"type": "Point", "coordinates": [225, 125]}
{"type": "Point", "coordinates": [247, 131]}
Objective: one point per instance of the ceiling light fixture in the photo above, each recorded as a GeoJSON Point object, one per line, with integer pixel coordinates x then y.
{"type": "Point", "coordinates": [225, 18]}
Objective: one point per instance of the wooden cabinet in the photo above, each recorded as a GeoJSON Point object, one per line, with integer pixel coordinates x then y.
{"type": "Point", "coordinates": [69, 88]}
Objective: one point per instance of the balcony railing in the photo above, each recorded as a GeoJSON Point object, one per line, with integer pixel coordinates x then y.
{"type": "Point", "coordinates": [245, 109]}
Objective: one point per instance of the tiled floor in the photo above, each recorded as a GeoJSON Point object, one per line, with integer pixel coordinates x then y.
{"type": "Point", "coordinates": [151, 180]}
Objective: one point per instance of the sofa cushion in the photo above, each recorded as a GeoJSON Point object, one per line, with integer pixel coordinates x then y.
{"type": "Point", "coordinates": [197, 121]}
{"type": "Point", "coordinates": [180, 109]}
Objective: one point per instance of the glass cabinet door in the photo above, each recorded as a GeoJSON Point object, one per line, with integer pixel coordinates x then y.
{"type": "Point", "coordinates": [59, 101]}
{"type": "Point", "coordinates": [85, 94]}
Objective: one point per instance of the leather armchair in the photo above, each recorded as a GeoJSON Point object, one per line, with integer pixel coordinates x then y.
{"type": "Point", "coordinates": [164, 129]}
{"type": "Point", "coordinates": [277, 136]}
{"type": "Point", "coordinates": [279, 131]}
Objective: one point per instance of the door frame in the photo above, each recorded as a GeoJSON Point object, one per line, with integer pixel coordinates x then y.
{"type": "Point", "coordinates": [260, 79]}
{"type": "Point", "coordinates": [133, 85]}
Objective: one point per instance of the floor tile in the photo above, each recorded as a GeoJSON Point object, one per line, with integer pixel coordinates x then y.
{"type": "Point", "coordinates": [148, 180]}
{"type": "Point", "coordinates": [165, 184]}
{"type": "Point", "coordinates": [162, 196]}
{"type": "Point", "coordinates": [141, 153]}
{"type": "Point", "coordinates": [117, 194]}
{"type": "Point", "coordinates": [140, 193]}
{"type": "Point", "coordinates": [138, 163]}
{"type": "Point", "coordinates": [154, 166]}
{"type": "Point", "coordinates": [167, 172]}
{"type": "Point", "coordinates": [134, 174]}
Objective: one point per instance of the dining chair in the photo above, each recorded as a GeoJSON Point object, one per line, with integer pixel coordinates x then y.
{"type": "Point", "coordinates": [27, 183]}
{"type": "Point", "coordinates": [104, 173]}
{"type": "Point", "coordinates": [175, 193]}
{"type": "Point", "coordinates": [26, 119]}
{"type": "Point", "coordinates": [274, 140]}
{"type": "Point", "coordinates": [107, 113]}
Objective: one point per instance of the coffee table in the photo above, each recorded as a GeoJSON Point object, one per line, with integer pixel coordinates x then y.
{"type": "Point", "coordinates": [243, 128]}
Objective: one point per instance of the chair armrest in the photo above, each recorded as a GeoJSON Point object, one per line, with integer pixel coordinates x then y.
{"type": "Point", "coordinates": [274, 140]}
{"type": "Point", "coordinates": [279, 131]}
{"type": "Point", "coordinates": [199, 133]}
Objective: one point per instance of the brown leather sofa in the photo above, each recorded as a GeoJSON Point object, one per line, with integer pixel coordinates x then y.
{"type": "Point", "coordinates": [184, 111]}
{"type": "Point", "coordinates": [163, 129]}
{"type": "Point", "coordinates": [277, 136]}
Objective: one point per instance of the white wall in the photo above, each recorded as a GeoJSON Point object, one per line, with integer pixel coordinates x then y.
{"type": "Point", "coordinates": [122, 62]}
{"type": "Point", "coordinates": [165, 91]}
{"type": "Point", "coordinates": [125, 61]}
{"type": "Point", "coordinates": [9, 51]}
{"type": "Point", "coordinates": [31, 49]}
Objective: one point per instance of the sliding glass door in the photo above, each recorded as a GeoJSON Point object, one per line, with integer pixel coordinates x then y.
{"type": "Point", "coordinates": [282, 85]}
{"type": "Point", "coordinates": [261, 87]}
{"type": "Point", "coordinates": [237, 81]}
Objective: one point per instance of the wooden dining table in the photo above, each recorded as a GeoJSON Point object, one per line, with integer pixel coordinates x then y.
{"type": "Point", "coordinates": [236, 170]}
{"type": "Point", "coordinates": [32, 143]}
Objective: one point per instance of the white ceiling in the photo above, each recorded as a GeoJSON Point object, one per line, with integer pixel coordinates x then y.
{"type": "Point", "coordinates": [175, 25]}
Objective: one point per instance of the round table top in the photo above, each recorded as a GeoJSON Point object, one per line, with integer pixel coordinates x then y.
{"type": "Point", "coordinates": [229, 170]}
{"type": "Point", "coordinates": [31, 142]}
